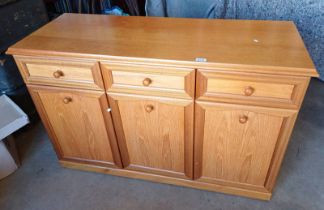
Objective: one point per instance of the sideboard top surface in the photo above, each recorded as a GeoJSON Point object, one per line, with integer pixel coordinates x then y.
{"type": "Point", "coordinates": [242, 43]}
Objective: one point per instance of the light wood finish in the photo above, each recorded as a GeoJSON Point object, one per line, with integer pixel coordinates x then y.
{"type": "Point", "coordinates": [178, 82]}
{"type": "Point", "coordinates": [248, 90]}
{"type": "Point", "coordinates": [236, 143]}
{"type": "Point", "coordinates": [60, 72]}
{"type": "Point", "coordinates": [243, 118]}
{"type": "Point", "coordinates": [127, 96]}
{"type": "Point", "coordinates": [79, 126]}
{"type": "Point", "coordinates": [147, 81]}
{"type": "Point", "coordinates": [155, 134]}
{"type": "Point", "coordinates": [254, 89]}
{"type": "Point", "coordinates": [279, 153]}
{"type": "Point", "coordinates": [170, 180]}
{"type": "Point", "coordinates": [224, 43]}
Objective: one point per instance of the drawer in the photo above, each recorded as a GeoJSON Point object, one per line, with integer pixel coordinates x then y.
{"type": "Point", "coordinates": [61, 72]}
{"type": "Point", "coordinates": [258, 89]}
{"type": "Point", "coordinates": [149, 80]}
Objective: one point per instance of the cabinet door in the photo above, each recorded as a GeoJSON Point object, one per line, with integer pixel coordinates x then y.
{"type": "Point", "coordinates": [79, 124]}
{"type": "Point", "coordinates": [155, 135]}
{"type": "Point", "coordinates": [235, 145]}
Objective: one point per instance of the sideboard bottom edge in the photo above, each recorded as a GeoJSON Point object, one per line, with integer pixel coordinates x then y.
{"type": "Point", "coordinates": [168, 180]}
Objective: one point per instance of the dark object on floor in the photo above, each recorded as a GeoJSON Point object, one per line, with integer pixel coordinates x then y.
{"type": "Point", "coordinates": [20, 19]}
{"type": "Point", "coordinates": [132, 7]}
{"type": "Point", "coordinates": [12, 84]}
{"type": "Point", "coordinates": [17, 20]}
{"type": "Point", "coordinates": [10, 78]}
{"type": "Point", "coordinates": [5, 2]}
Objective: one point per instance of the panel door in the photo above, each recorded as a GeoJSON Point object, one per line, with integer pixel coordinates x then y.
{"type": "Point", "coordinates": [235, 144]}
{"type": "Point", "coordinates": [155, 135]}
{"type": "Point", "coordinates": [79, 124]}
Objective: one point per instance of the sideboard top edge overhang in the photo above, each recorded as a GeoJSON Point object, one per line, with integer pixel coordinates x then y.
{"type": "Point", "coordinates": [263, 46]}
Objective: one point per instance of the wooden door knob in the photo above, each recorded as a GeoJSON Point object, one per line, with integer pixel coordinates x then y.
{"type": "Point", "coordinates": [243, 119]}
{"type": "Point", "coordinates": [248, 91]}
{"type": "Point", "coordinates": [67, 100]}
{"type": "Point", "coordinates": [147, 81]}
{"type": "Point", "coordinates": [58, 74]}
{"type": "Point", "coordinates": [149, 108]}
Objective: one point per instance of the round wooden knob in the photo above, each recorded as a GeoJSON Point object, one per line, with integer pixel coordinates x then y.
{"type": "Point", "coordinates": [58, 74]}
{"type": "Point", "coordinates": [243, 119]}
{"type": "Point", "coordinates": [149, 108]}
{"type": "Point", "coordinates": [67, 100]}
{"type": "Point", "coordinates": [249, 91]}
{"type": "Point", "coordinates": [147, 81]}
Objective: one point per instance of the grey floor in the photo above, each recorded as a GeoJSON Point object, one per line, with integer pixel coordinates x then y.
{"type": "Point", "coordinates": [41, 184]}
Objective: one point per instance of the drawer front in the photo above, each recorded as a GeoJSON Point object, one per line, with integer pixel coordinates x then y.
{"type": "Point", "coordinates": [61, 73]}
{"type": "Point", "coordinates": [149, 80]}
{"type": "Point", "coordinates": [251, 88]}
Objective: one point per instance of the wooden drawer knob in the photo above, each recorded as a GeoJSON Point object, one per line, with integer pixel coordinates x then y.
{"type": "Point", "coordinates": [243, 119]}
{"type": "Point", "coordinates": [147, 81]}
{"type": "Point", "coordinates": [149, 108]}
{"type": "Point", "coordinates": [58, 74]}
{"type": "Point", "coordinates": [67, 100]}
{"type": "Point", "coordinates": [248, 91]}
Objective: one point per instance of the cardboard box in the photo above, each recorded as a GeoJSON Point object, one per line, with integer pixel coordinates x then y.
{"type": "Point", "coordinates": [12, 118]}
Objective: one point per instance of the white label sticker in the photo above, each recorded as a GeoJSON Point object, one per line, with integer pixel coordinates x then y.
{"type": "Point", "coordinates": [201, 59]}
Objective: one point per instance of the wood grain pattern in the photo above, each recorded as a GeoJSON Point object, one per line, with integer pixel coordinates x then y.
{"type": "Point", "coordinates": [124, 78]}
{"type": "Point", "coordinates": [224, 43]}
{"type": "Point", "coordinates": [236, 152]}
{"type": "Point", "coordinates": [79, 126]}
{"type": "Point", "coordinates": [256, 194]}
{"type": "Point", "coordinates": [279, 153]}
{"type": "Point", "coordinates": [281, 147]}
{"type": "Point", "coordinates": [75, 73]}
{"type": "Point", "coordinates": [266, 90]}
{"type": "Point", "coordinates": [159, 141]}
{"type": "Point", "coordinates": [269, 90]}
{"type": "Point", "coordinates": [220, 125]}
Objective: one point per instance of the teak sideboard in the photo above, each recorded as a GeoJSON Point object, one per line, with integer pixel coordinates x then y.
{"type": "Point", "coordinates": [208, 104]}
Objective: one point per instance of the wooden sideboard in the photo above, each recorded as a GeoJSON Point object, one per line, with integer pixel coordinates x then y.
{"type": "Point", "coordinates": [208, 104]}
